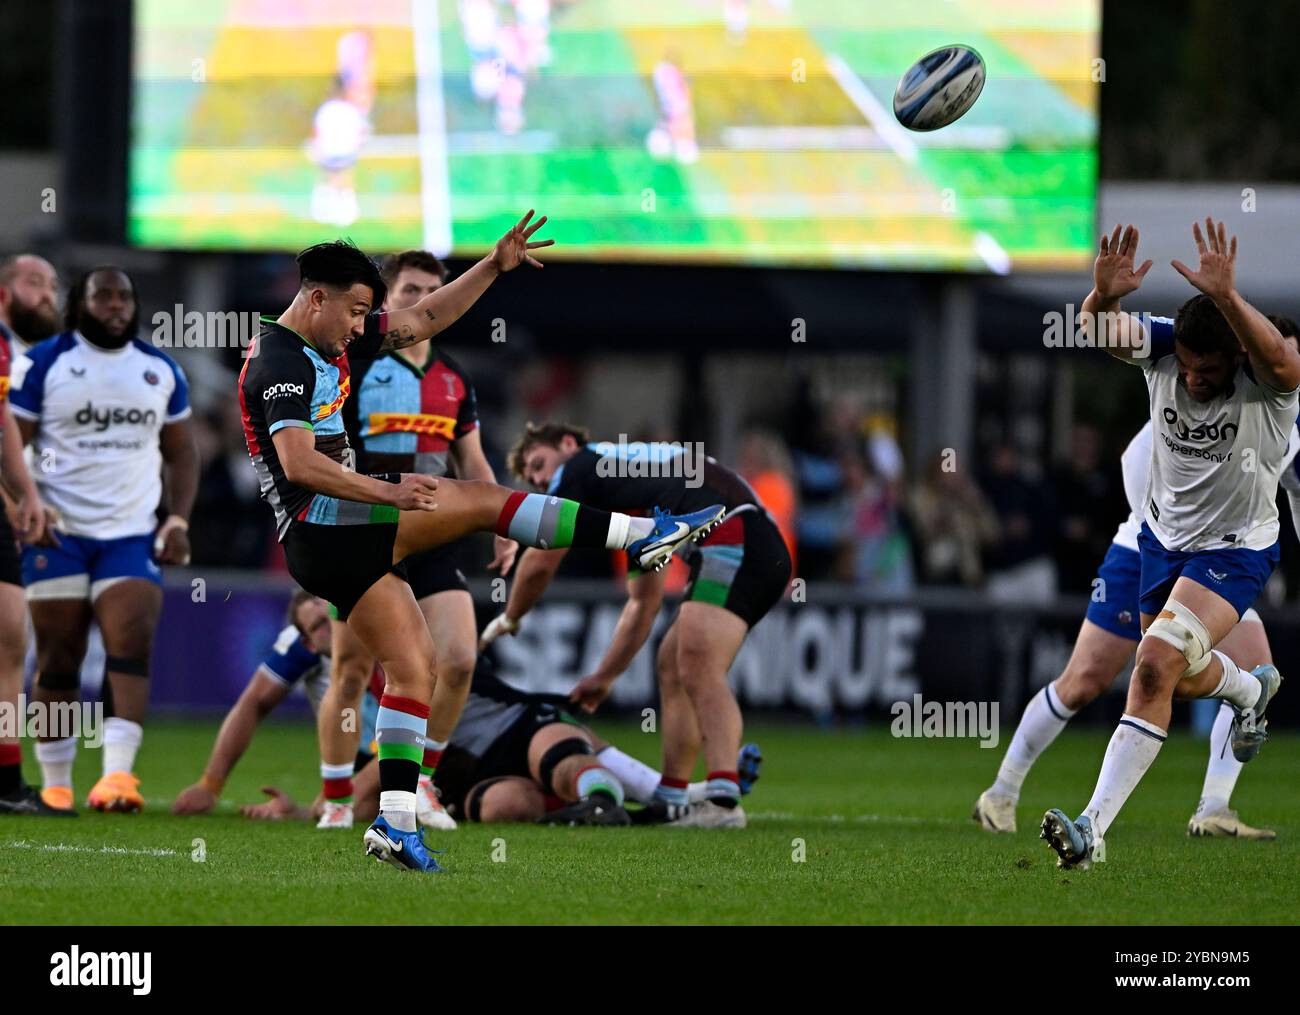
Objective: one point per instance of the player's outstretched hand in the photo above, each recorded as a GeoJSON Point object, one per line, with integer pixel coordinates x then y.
{"type": "Point", "coordinates": [513, 248]}
{"type": "Point", "coordinates": [1216, 275]}
{"type": "Point", "coordinates": [279, 807]}
{"type": "Point", "coordinates": [504, 558]}
{"type": "Point", "coordinates": [196, 799]}
{"type": "Point", "coordinates": [497, 626]}
{"type": "Point", "coordinates": [1112, 274]}
{"type": "Point", "coordinates": [416, 492]}
{"type": "Point", "coordinates": [590, 691]}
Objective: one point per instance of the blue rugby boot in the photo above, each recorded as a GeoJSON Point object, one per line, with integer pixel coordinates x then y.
{"type": "Point", "coordinates": [404, 850]}
{"type": "Point", "coordinates": [651, 553]}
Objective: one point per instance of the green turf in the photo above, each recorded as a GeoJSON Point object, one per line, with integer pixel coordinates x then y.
{"type": "Point", "coordinates": [883, 823]}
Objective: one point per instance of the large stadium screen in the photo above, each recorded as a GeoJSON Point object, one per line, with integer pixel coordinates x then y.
{"type": "Point", "coordinates": [725, 131]}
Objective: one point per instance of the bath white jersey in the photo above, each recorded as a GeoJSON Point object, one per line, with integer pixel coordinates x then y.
{"type": "Point", "coordinates": [1135, 465]}
{"type": "Point", "coordinates": [99, 415]}
{"type": "Point", "coordinates": [1214, 465]}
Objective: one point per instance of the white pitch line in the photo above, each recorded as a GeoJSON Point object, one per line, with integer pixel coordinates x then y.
{"type": "Point", "coordinates": [62, 847]}
{"type": "Point", "coordinates": [431, 118]}
{"type": "Point", "coordinates": [890, 130]}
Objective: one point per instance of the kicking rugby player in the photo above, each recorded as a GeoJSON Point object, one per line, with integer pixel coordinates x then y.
{"type": "Point", "coordinates": [106, 414]}
{"type": "Point", "coordinates": [1222, 384]}
{"type": "Point", "coordinates": [737, 574]}
{"type": "Point", "coordinates": [18, 278]}
{"type": "Point", "coordinates": [346, 534]}
{"type": "Point", "coordinates": [412, 410]}
{"type": "Point", "coordinates": [300, 656]}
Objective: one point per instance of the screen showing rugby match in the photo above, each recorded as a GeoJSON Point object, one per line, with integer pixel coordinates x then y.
{"type": "Point", "coordinates": [707, 131]}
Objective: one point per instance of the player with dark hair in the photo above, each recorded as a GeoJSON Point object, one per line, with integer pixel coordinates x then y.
{"type": "Point", "coordinates": [412, 410]}
{"type": "Point", "coordinates": [23, 298]}
{"type": "Point", "coordinates": [1222, 385]}
{"type": "Point", "coordinates": [346, 534]}
{"type": "Point", "coordinates": [737, 574]}
{"type": "Point", "coordinates": [109, 413]}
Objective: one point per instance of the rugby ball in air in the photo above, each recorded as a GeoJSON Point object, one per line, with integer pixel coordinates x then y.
{"type": "Point", "coordinates": [939, 88]}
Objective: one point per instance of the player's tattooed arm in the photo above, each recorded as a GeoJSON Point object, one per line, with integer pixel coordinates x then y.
{"type": "Point", "coordinates": [399, 336]}
{"type": "Point", "coordinates": [1101, 321]}
{"type": "Point", "coordinates": [448, 303]}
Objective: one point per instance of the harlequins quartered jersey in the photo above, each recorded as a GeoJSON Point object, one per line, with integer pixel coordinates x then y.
{"type": "Point", "coordinates": [286, 381]}
{"type": "Point", "coordinates": [640, 476]}
{"type": "Point", "coordinates": [405, 418]}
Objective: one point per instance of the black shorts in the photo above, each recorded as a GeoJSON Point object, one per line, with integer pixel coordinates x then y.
{"type": "Point", "coordinates": [743, 566]}
{"type": "Point", "coordinates": [339, 563]}
{"type": "Point", "coordinates": [11, 566]}
{"type": "Point", "coordinates": [438, 570]}
{"type": "Point", "coordinates": [460, 771]}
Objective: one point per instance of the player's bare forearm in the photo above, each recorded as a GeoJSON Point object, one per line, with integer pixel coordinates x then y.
{"type": "Point", "coordinates": [1103, 323]}
{"type": "Point", "coordinates": [236, 734]}
{"type": "Point", "coordinates": [470, 461]}
{"type": "Point", "coordinates": [1275, 362]}
{"type": "Point", "coordinates": [635, 623]}
{"type": "Point", "coordinates": [534, 573]}
{"type": "Point", "coordinates": [308, 468]}
{"type": "Point", "coordinates": [180, 454]}
{"type": "Point", "coordinates": [13, 469]}
{"type": "Point", "coordinates": [441, 308]}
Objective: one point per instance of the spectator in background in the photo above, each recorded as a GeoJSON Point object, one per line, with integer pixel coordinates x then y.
{"type": "Point", "coordinates": [952, 521]}
{"type": "Point", "coordinates": [1020, 563]}
{"type": "Point", "coordinates": [875, 552]}
{"type": "Point", "coordinates": [765, 464]}
{"type": "Point", "coordinates": [1091, 506]}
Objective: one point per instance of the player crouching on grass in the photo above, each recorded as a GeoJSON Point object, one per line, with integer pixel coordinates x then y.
{"type": "Point", "coordinates": [519, 757]}
{"type": "Point", "coordinates": [346, 535]}
{"type": "Point", "coordinates": [738, 573]}
{"type": "Point", "coordinates": [1222, 384]}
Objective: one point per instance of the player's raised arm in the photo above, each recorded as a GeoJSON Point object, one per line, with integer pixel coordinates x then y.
{"type": "Point", "coordinates": [446, 305]}
{"type": "Point", "coordinates": [1102, 323]}
{"type": "Point", "coordinates": [1272, 357]}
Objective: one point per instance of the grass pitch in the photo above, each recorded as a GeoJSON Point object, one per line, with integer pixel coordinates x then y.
{"type": "Point", "coordinates": [881, 824]}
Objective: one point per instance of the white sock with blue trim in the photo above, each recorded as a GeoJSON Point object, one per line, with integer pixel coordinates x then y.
{"type": "Point", "coordinates": [1133, 746]}
{"type": "Point", "coordinates": [1042, 722]}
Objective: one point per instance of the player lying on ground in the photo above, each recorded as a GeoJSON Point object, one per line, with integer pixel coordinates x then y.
{"type": "Point", "coordinates": [300, 656]}
{"type": "Point", "coordinates": [111, 414]}
{"type": "Point", "coordinates": [1222, 384]}
{"type": "Point", "coordinates": [1105, 645]}
{"type": "Point", "coordinates": [412, 410]}
{"type": "Point", "coordinates": [522, 757]}
{"type": "Point", "coordinates": [346, 534]}
{"type": "Point", "coordinates": [737, 574]}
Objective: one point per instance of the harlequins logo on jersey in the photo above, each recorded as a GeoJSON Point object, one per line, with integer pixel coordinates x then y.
{"type": "Point", "coordinates": [1201, 431]}
{"type": "Point", "coordinates": [104, 418]}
